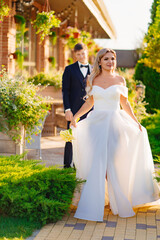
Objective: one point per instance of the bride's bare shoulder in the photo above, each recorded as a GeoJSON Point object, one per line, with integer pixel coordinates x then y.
{"type": "Point", "coordinates": [95, 80]}
{"type": "Point", "coordinates": [121, 80]}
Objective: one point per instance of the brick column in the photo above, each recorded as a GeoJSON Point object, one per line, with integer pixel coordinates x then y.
{"type": "Point", "coordinates": [40, 55]}
{"type": "Point", "coordinates": [46, 55]}
{"type": "Point", "coordinates": [8, 41]}
{"type": "Point", "coordinates": [61, 48]}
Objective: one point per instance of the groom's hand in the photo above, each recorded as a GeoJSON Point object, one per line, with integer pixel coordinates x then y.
{"type": "Point", "coordinates": [68, 115]}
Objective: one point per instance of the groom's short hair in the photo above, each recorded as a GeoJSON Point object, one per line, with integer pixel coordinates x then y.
{"type": "Point", "coordinates": [80, 46]}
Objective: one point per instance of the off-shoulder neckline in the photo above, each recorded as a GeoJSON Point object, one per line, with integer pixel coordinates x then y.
{"type": "Point", "coordinates": [110, 86]}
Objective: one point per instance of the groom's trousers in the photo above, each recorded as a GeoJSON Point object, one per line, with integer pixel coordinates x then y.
{"type": "Point", "coordinates": [68, 147]}
{"type": "Point", "coordinates": [68, 152]}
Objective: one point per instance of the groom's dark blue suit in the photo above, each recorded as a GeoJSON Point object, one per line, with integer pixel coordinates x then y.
{"type": "Point", "coordinates": [73, 89]}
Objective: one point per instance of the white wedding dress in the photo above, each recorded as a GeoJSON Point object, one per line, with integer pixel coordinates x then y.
{"type": "Point", "coordinates": [110, 141]}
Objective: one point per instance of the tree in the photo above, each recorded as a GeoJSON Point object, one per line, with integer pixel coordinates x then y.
{"type": "Point", "coordinates": [148, 67]}
{"type": "Point", "coordinates": [152, 39]}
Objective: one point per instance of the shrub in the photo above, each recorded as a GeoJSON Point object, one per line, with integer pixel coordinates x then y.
{"type": "Point", "coordinates": [137, 103]}
{"type": "Point", "coordinates": [19, 106]}
{"type": "Point", "coordinates": [45, 79]}
{"type": "Point", "coordinates": [44, 22]}
{"type": "Point", "coordinates": [28, 189]}
{"type": "Point", "coordinates": [153, 128]}
{"type": "Point", "coordinates": [151, 79]}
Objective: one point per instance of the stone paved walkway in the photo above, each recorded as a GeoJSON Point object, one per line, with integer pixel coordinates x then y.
{"type": "Point", "coordinates": [145, 225]}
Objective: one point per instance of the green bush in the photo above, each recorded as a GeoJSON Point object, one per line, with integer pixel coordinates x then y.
{"type": "Point", "coordinates": [153, 128]}
{"type": "Point", "coordinates": [20, 106]}
{"type": "Point", "coordinates": [46, 79]}
{"type": "Point", "coordinates": [28, 189]}
{"type": "Point", "coordinates": [137, 102]}
{"type": "Point", "coordinates": [151, 79]}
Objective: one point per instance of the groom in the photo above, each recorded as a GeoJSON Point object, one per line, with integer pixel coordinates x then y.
{"type": "Point", "coordinates": [73, 89]}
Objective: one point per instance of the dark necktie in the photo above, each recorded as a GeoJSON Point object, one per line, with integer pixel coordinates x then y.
{"type": "Point", "coordinates": [86, 66]}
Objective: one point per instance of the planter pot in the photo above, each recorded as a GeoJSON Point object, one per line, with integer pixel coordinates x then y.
{"type": "Point", "coordinates": [50, 91]}
{"type": "Point", "coordinates": [15, 56]}
{"type": "Point", "coordinates": [8, 146]}
{"type": "Point", "coordinates": [67, 36]}
{"type": "Point", "coordinates": [76, 34]}
{"type": "Point", "coordinates": [50, 59]}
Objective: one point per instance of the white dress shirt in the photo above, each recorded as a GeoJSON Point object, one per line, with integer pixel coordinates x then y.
{"type": "Point", "coordinates": [84, 71]}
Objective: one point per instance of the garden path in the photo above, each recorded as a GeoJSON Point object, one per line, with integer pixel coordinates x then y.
{"type": "Point", "coordinates": [145, 225]}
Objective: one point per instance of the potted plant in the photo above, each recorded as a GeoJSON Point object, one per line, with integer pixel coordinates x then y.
{"type": "Point", "coordinates": [52, 60]}
{"type": "Point", "coordinates": [53, 37]}
{"type": "Point", "coordinates": [76, 34]}
{"type": "Point", "coordinates": [14, 54]}
{"type": "Point", "coordinates": [96, 49]}
{"type": "Point", "coordinates": [4, 10]}
{"type": "Point", "coordinates": [19, 19]}
{"type": "Point", "coordinates": [19, 57]}
{"type": "Point", "coordinates": [72, 36]}
{"type": "Point", "coordinates": [86, 37]}
{"type": "Point", "coordinates": [20, 108]}
{"type": "Point", "coordinates": [44, 22]}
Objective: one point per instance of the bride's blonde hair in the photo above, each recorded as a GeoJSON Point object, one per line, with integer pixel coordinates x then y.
{"type": "Point", "coordinates": [96, 68]}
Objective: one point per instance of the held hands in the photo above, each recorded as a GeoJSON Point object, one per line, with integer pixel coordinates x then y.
{"type": "Point", "coordinates": [74, 121]}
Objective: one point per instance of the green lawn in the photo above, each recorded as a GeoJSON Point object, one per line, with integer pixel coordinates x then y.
{"type": "Point", "coordinates": [32, 195]}
{"type": "Point", "coordinates": [16, 228]}
{"type": "Point", "coordinates": [152, 125]}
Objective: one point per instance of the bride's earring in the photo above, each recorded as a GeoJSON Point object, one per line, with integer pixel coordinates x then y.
{"type": "Point", "coordinates": [99, 66]}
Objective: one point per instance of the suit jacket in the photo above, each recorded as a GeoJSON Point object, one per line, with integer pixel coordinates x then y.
{"type": "Point", "coordinates": [73, 87]}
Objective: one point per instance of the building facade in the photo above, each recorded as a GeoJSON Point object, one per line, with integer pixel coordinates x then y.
{"type": "Point", "coordinates": [88, 15]}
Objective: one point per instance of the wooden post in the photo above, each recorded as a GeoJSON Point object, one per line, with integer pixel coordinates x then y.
{"type": "Point", "coordinates": [76, 18]}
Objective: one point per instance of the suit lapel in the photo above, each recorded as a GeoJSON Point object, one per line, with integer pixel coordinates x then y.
{"type": "Point", "coordinates": [79, 73]}
{"type": "Point", "coordinates": [90, 68]}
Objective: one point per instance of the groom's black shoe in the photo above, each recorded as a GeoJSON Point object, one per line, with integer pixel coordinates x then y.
{"type": "Point", "coordinates": [68, 166]}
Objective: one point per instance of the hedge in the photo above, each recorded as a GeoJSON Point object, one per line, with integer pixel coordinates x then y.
{"type": "Point", "coordinates": [153, 128]}
{"type": "Point", "coordinates": [31, 190]}
{"type": "Point", "coordinates": [46, 79]}
{"type": "Point", "coordinates": [151, 80]}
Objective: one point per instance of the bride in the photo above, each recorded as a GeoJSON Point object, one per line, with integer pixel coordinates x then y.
{"type": "Point", "coordinates": [111, 150]}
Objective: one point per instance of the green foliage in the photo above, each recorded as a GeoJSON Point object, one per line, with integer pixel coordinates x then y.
{"type": "Point", "coordinates": [20, 29]}
{"type": "Point", "coordinates": [19, 228]}
{"type": "Point", "coordinates": [153, 11]}
{"type": "Point", "coordinates": [152, 124]}
{"type": "Point", "coordinates": [152, 39]}
{"type": "Point", "coordinates": [4, 10]}
{"type": "Point", "coordinates": [44, 22]}
{"type": "Point", "coordinates": [20, 59]}
{"type": "Point", "coordinates": [137, 102]}
{"type": "Point", "coordinates": [52, 60]}
{"type": "Point", "coordinates": [45, 79]}
{"type": "Point", "coordinates": [73, 36]}
{"type": "Point", "coordinates": [28, 189]}
{"type": "Point", "coordinates": [53, 37]}
{"type": "Point", "coordinates": [151, 79]}
{"type": "Point", "coordinates": [19, 106]}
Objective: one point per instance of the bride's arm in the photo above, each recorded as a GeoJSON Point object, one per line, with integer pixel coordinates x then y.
{"type": "Point", "coordinates": [84, 109]}
{"type": "Point", "coordinates": [127, 107]}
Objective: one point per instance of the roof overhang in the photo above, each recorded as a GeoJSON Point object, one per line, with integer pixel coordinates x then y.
{"type": "Point", "coordinates": [99, 10]}
{"type": "Point", "coordinates": [92, 16]}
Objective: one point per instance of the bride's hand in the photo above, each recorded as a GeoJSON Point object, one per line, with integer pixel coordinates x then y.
{"type": "Point", "coordinates": [73, 122]}
{"type": "Point", "coordinates": [140, 126]}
